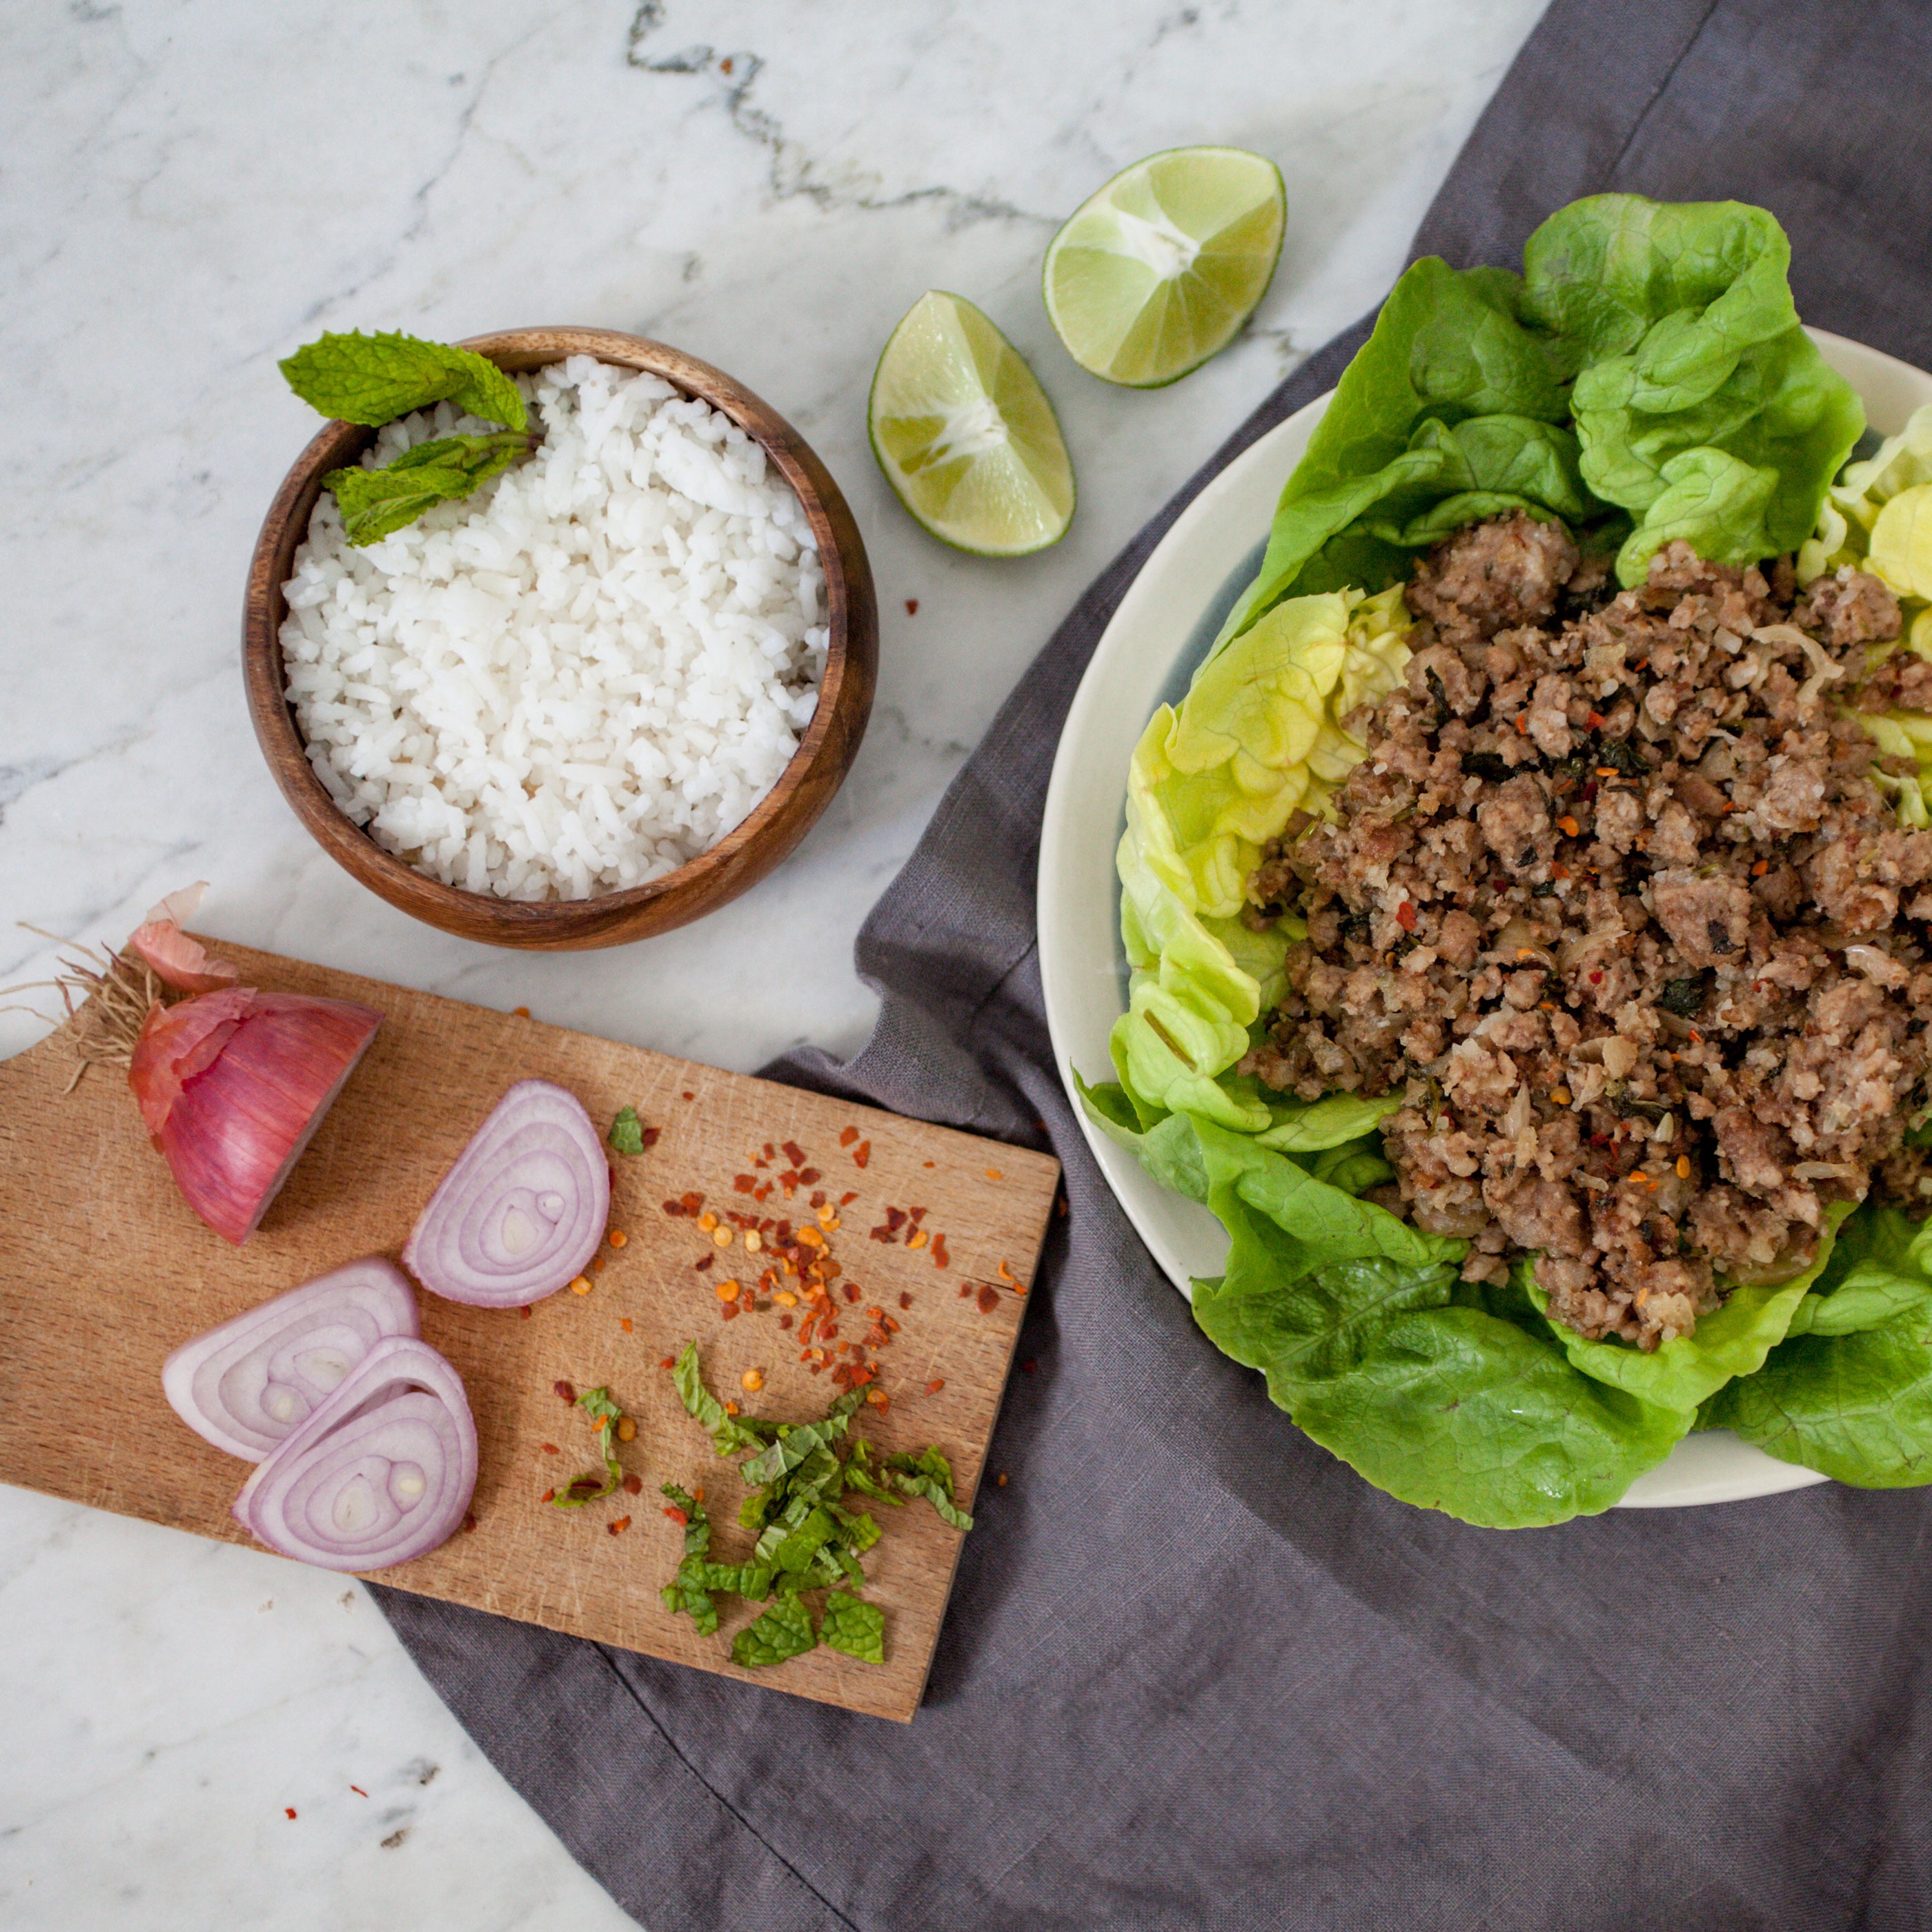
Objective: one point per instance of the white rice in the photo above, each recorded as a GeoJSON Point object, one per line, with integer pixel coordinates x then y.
{"type": "Point", "coordinates": [582, 675]}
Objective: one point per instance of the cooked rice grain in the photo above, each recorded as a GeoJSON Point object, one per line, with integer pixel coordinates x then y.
{"type": "Point", "coordinates": [583, 675]}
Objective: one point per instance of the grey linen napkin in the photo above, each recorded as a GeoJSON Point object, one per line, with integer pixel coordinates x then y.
{"type": "Point", "coordinates": [1196, 1673]}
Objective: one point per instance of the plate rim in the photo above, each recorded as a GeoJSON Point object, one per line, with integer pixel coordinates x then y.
{"type": "Point", "coordinates": [1711, 1467]}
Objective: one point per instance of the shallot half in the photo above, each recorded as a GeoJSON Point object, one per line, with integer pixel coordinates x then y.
{"type": "Point", "coordinates": [232, 1082]}
{"type": "Point", "coordinates": [523, 1210]}
{"type": "Point", "coordinates": [249, 1384]}
{"type": "Point", "coordinates": [382, 1472]}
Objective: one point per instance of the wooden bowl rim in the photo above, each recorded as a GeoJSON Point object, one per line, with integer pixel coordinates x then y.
{"type": "Point", "coordinates": [851, 650]}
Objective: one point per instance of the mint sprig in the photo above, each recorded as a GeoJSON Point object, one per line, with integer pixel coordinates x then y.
{"type": "Point", "coordinates": [373, 502]}
{"type": "Point", "coordinates": [374, 378]}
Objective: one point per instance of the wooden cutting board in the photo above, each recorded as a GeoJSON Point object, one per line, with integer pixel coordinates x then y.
{"type": "Point", "coordinates": [104, 1270]}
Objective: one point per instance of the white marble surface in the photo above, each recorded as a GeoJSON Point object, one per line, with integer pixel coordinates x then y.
{"type": "Point", "coordinates": [188, 192]}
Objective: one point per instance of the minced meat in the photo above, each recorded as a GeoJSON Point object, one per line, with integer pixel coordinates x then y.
{"type": "Point", "coordinates": [1615, 904]}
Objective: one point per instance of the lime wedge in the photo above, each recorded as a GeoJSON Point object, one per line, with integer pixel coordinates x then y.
{"type": "Point", "coordinates": [966, 436]}
{"type": "Point", "coordinates": [1156, 272]}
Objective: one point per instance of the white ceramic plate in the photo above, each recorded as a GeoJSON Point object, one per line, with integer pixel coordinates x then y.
{"type": "Point", "coordinates": [1162, 628]}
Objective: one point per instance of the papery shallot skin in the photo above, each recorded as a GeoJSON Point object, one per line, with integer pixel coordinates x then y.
{"type": "Point", "coordinates": [523, 1209]}
{"type": "Point", "coordinates": [383, 1473]}
{"type": "Point", "coordinates": [232, 1085]}
{"type": "Point", "coordinates": [247, 1385]}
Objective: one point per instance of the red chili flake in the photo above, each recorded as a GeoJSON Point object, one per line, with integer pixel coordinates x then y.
{"type": "Point", "coordinates": [622, 1523]}
{"type": "Point", "coordinates": [918, 1214]}
{"type": "Point", "coordinates": [703, 1262]}
{"type": "Point", "coordinates": [1404, 916]}
{"type": "Point", "coordinates": [989, 1299]}
{"type": "Point", "coordinates": [521, 1013]}
{"type": "Point", "coordinates": [818, 1198]}
{"type": "Point", "coordinates": [547, 1495]}
{"type": "Point", "coordinates": [290, 1809]}
{"type": "Point", "coordinates": [634, 1486]}
{"type": "Point", "coordinates": [624, 1323]}
{"type": "Point", "coordinates": [673, 1208]}
{"type": "Point", "coordinates": [759, 1192]}
{"type": "Point", "coordinates": [847, 1135]}
{"type": "Point", "coordinates": [692, 1203]}
{"type": "Point", "coordinates": [358, 1791]}
{"type": "Point", "coordinates": [669, 1362]}
{"type": "Point", "coordinates": [690, 1096]}
{"type": "Point", "coordinates": [649, 1136]}
{"type": "Point", "coordinates": [878, 1398]}
{"type": "Point", "coordinates": [1596, 977]}
{"type": "Point", "coordinates": [788, 1181]}
{"type": "Point", "coordinates": [794, 1153]}
{"type": "Point", "coordinates": [744, 1183]}
{"type": "Point", "coordinates": [728, 1310]}
{"type": "Point", "coordinates": [912, 606]}
{"type": "Point", "coordinates": [934, 1387]}
{"type": "Point", "coordinates": [1523, 727]}
{"type": "Point", "coordinates": [781, 1232]}
{"type": "Point", "coordinates": [895, 1219]}
{"type": "Point", "coordinates": [1600, 1140]}
{"type": "Point", "coordinates": [469, 1526]}
{"type": "Point", "coordinates": [851, 1291]}
{"type": "Point", "coordinates": [905, 1299]}
{"type": "Point", "coordinates": [563, 1391]}
{"type": "Point", "coordinates": [940, 1259]}
{"type": "Point", "coordinates": [965, 1289]}
{"type": "Point", "coordinates": [862, 1154]}
{"type": "Point", "coordinates": [809, 1177]}
{"type": "Point", "coordinates": [785, 1321]}
{"type": "Point", "coordinates": [846, 1199]}
{"type": "Point", "coordinates": [678, 1516]}
{"type": "Point", "coordinates": [1594, 721]}
{"type": "Point", "coordinates": [548, 1448]}
{"type": "Point", "coordinates": [525, 1311]}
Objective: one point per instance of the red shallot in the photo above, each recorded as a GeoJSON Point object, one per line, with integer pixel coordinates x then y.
{"type": "Point", "coordinates": [234, 1083]}
{"type": "Point", "coordinates": [524, 1208]}
{"type": "Point", "coordinates": [382, 1472]}
{"type": "Point", "coordinates": [250, 1383]}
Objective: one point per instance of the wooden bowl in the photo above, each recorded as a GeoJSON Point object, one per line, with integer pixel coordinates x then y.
{"type": "Point", "coordinates": [740, 858]}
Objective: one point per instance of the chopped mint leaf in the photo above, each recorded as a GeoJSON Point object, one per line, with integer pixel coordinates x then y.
{"type": "Point", "coordinates": [374, 378]}
{"type": "Point", "coordinates": [375, 503]}
{"type": "Point", "coordinates": [784, 1631]}
{"type": "Point", "coordinates": [793, 1447]}
{"type": "Point", "coordinates": [593, 1488]}
{"type": "Point", "coordinates": [857, 1629]}
{"type": "Point", "coordinates": [627, 1132]}
{"type": "Point", "coordinates": [930, 1475]}
{"type": "Point", "coordinates": [727, 1434]}
{"type": "Point", "coordinates": [861, 1531]}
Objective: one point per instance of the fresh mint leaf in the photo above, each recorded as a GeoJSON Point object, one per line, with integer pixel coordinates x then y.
{"type": "Point", "coordinates": [728, 1434]}
{"type": "Point", "coordinates": [375, 503]}
{"type": "Point", "coordinates": [784, 1631]}
{"type": "Point", "coordinates": [374, 378]}
{"type": "Point", "coordinates": [857, 1629]}
{"type": "Point", "coordinates": [794, 1446]}
{"type": "Point", "coordinates": [627, 1132]}
{"type": "Point", "coordinates": [596, 1403]}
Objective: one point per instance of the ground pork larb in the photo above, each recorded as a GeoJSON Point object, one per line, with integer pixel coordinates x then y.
{"type": "Point", "coordinates": [1618, 905]}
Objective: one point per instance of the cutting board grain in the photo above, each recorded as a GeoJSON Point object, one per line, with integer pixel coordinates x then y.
{"type": "Point", "coordinates": [104, 1270]}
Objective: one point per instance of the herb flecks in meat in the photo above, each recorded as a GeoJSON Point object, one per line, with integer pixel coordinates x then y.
{"type": "Point", "coordinates": [1665, 974]}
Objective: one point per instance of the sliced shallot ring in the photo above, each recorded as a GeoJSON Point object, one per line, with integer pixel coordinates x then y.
{"type": "Point", "coordinates": [249, 1384]}
{"type": "Point", "coordinates": [381, 1474]}
{"type": "Point", "coordinates": [523, 1209]}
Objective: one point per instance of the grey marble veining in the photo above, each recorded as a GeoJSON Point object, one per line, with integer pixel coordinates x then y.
{"type": "Point", "coordinates": [187, 192]}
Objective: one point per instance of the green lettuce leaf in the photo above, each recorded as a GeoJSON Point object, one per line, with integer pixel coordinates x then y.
{"type": "Point", "coordinates": [1685, 1372]}
{"type": "Point", "coordinates": [1257, 738]}
{"type": "Point", "coordinates": [857, 1629]}
{"type": "Point", "coordinates": [1448, 349]}
{"type": "Point", "coordinates": [1456, 1398]}
{"type": "Point", "coordinates": [1850, 1392]}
